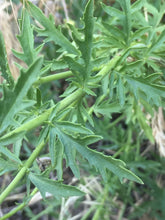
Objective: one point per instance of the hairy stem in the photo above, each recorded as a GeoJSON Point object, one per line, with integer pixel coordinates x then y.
{"type": "Point", "coordinates": [53, 77]}
{"type": "Point", "coordinates": [109, 67]}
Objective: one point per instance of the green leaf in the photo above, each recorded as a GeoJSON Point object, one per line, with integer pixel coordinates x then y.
{"type": "Point", "coordinates": [56, 153]}
{"type": "Point", "coordinates": [59, 154]}
{"type": "Point", "coordinates": [125, 4]}
{"type": "Point", "coordinates": [77, 68]}
{"type": "Point", "coordinates": [101, 162]}
{"type": "Point", "coordinates": [85, 45]}
{"type": "Point", "coordinates": [88, 32]}
{"type": "Point", "coordinates": [71, 127]}
{"type": "Point", "coordinates": [52, 145]}
{"type": "Point", "coordinates": [50, 31]}
{"type": "Point", "coordinates": [112, 11]}
{"type": "Point", "coordinates": [153, 92]}
{"type": "Point", "coordinates": [89, 91]}
{"type": "Point", "coordinates": [26, 40]}
{"type": "Point", "coordinates": [13, 100]}
{"type": "Point", "coordinates": [82, 114]}
{"type": "Point", "coordinates": [4, 66]}
{"type": "Point", "coordinates": [56, 188]}
{"type": "Point", "coordinates": [17, 147]}
{"type": "Point", "coordinates": [43, 135]}
{"type": "Point", "coordinates": [116, 32]}
{"type": "Point", "coordinates": [137, 5]}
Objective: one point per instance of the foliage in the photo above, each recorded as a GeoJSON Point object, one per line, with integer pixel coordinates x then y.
{"type": "Point", "coordinates": [114, 71]}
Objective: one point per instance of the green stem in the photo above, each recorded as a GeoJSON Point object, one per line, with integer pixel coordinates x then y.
{"type": "Point", "coordinates": [22, 172]}
{"type": "Point", "coordinates": [109, 67]}
{"type": "Point", "coordinates": [19, 207]}
{"type": "Point", "coordinates": [53, 77]}
{"type": "Point", "coordinates": [70, 99]}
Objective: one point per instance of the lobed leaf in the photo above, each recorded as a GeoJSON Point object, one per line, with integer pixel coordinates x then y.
{"type": "Point", "coordinates": [126, 6]}
{"type": "Point", "coordinates": [50, 31]}
{"type": "Point", "coordinates": [12, 101]}
{"type": "Point", "coordinates": [101, 162]}
{"type": "Point", "coordinates": [26, 40]}
{"type": "Point", "coordinates": [153, 92]}
{"type": "Point", "coordinates": [85, 43]}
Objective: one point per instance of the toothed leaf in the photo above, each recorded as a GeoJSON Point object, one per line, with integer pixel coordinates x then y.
{"type": "Point", "coordinates": [56, 188]}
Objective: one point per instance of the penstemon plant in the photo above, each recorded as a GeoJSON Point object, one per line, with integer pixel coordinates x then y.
{"type": "Point", "coordinates": [118, 62]}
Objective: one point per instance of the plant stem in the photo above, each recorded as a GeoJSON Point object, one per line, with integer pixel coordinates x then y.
{"type": "Point", "coordinates": [22, 172]}
{"type": "Point", "coordinates": [109, 67]}
{"type": "Point", "coordinates": [53, 77]}
{"type": "Point", "coordinates": [19, 207]}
